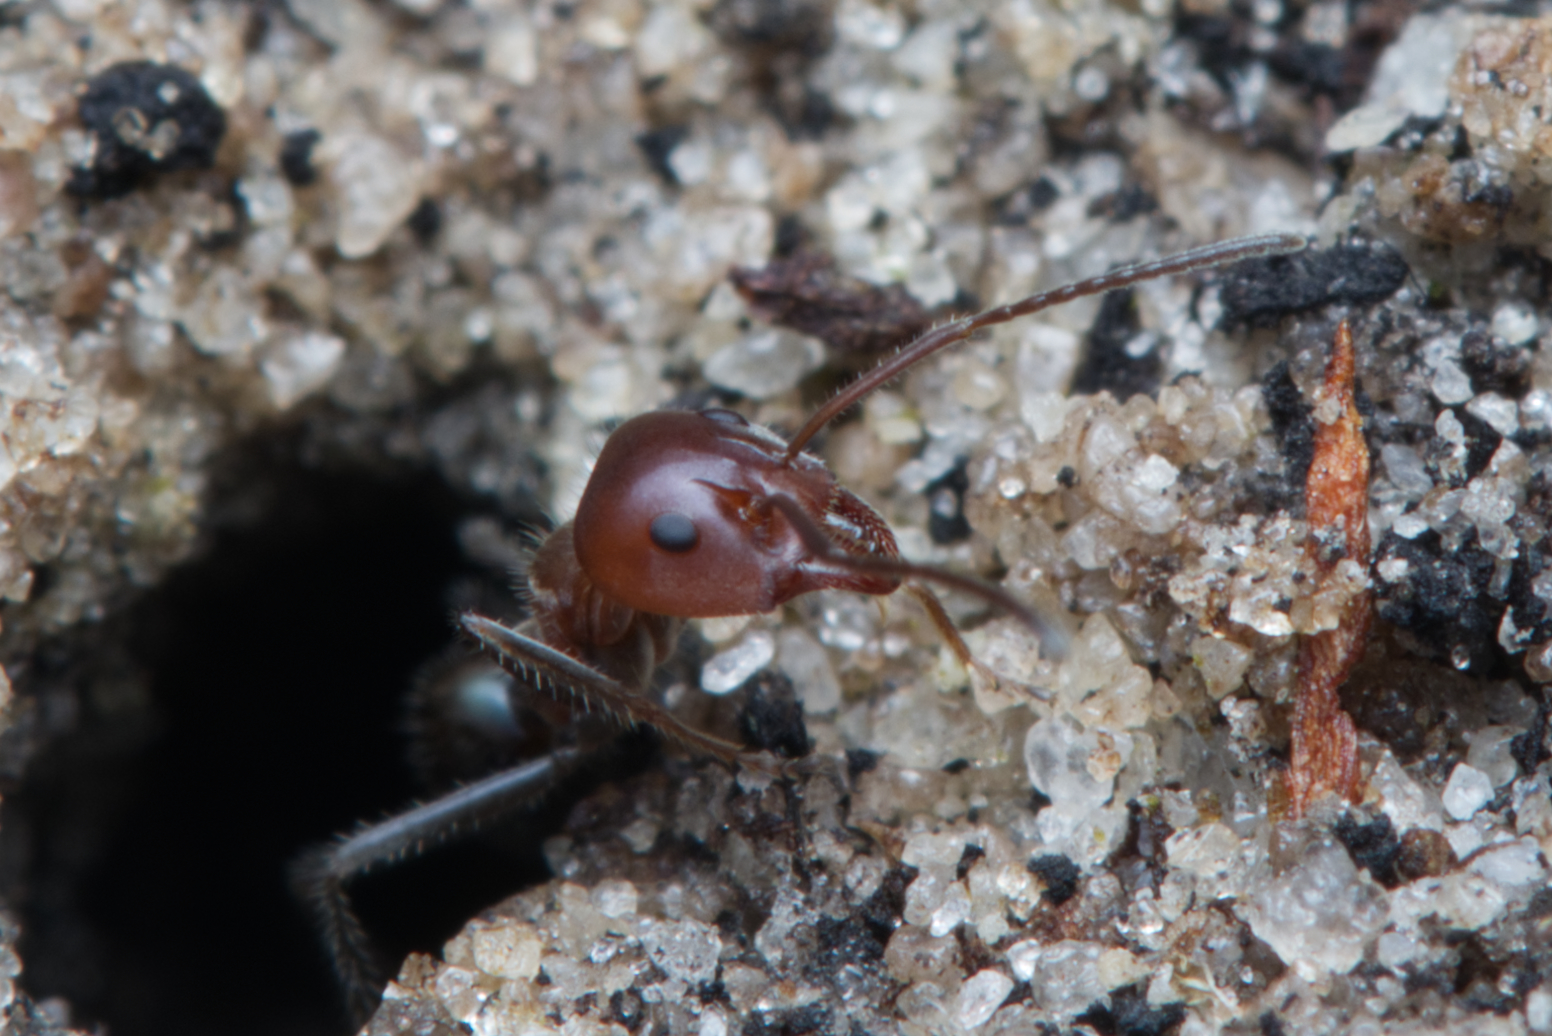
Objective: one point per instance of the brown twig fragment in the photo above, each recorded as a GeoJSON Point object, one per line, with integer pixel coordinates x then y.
{"type": "Point", "coordinates": [1336, 499]}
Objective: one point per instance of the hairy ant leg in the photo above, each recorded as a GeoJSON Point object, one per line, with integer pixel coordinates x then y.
{"type": "Point", "coordinates": [956, 643]}
{"type": "Point", "coordinates": [555, 671]}
{"type": "Point", "coordinates": [319, 877]}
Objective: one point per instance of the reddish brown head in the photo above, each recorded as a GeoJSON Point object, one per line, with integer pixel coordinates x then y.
{"type": "Point", "coordinates": [678, 519]}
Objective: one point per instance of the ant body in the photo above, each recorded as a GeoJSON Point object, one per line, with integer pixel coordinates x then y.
{"type": "Point", "coordinates": [689, 515]}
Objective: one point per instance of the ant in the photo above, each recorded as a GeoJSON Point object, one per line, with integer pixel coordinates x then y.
{"type": "Point", "coordinates": [689, 515]}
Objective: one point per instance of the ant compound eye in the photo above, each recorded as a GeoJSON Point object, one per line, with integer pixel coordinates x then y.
{"type": "Point", "coordinates": [674, 533]}
{"type": "Point", "coordinates": [727, 417]}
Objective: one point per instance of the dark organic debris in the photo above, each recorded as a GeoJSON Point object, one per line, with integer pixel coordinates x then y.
{"type": "Point", "coordinates": [801, 27]}
{"type": "Point", "coordinates": [1292, 423]}
{"type": "Point", "coordinates": [1482, 441]}
{"type": "Point", "coordinates": [627, 1008]}
{"type": "Point", "coordinates": [1373, 845]}
{"type": "Point", "coordinates": [797, 1021]}
{"type": "Point", "coordinates": [1494, 365]}
{"type": "Point", "coordinates": [144, 118]}
{"type": "Point", "coordinates": [1060, 876]}
{"type": "Point", "coordinates": [971, 855]}
{"type": "Point", "coordinates": [1442, 600]}
{"type": "Point", "coordinates": [1260, 291]}
{"type": "Point", "coordinates": [772, 717]}
{"type": "Point", "coordinates": [1116, 358]}
{"type": "Point", "coordinates": [946, 522]}
{"type": "Point", "coordinates": [860, 761]}
{"type": "Point", "coordinates": [1016, 208]}
{"type": "Point", "coordinates": [656, 145]}
{"type": "Point", "coordinates": [1128, 1013]}
{"type": "Point", "coordinates": [1423, 853]}
{"type": "Point", "coordinates": [1130, 201]}
{"type": "Point", "coordinates": [426, 221]}
{"type": "Point", "coordinates": [296, 157]}
{"type": "Point", "coordinates": [807, 293]}
{"type": "Point", "coordinates": [881, 911]}
{"type": "Point", "coordinates": [848, 940]}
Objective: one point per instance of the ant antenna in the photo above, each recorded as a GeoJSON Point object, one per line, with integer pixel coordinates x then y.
{"type": "Point", "coordinates": [1203, 258]}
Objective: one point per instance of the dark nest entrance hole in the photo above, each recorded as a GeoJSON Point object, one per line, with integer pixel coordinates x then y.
{"type": "Point", "coordinates": [248, 707]}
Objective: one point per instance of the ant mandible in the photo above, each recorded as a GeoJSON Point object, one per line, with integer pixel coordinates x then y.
{"type": "Point", "coordinates": [690, 515]}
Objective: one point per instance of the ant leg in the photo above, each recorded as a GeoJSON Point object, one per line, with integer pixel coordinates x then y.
{"type": "Point", "coordinates": [319, 875]}
{"type": "Point", "coordinates": [956, 643]}
{"type": "Point", "coordinates": [552, 670]}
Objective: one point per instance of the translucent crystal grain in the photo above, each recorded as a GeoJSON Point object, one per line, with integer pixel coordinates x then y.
{"type": "Point", "coordinates": [1512, 866]}
{"type": "Point", "coordinates": [1210, 852]}
{"type": "Point", "coordinates": [1464, 839]}
{"type": "Point", "coordinates": [1222, 664]}
{"type": "Point", "coordinates": [1450, 384]}
{"type": "Point", "coordinates": [298, 365]}
{"type": "Point", "coordinates": [1467, 791]}
{"type": "Point", "coordinates": [870, 25]}
{"type": "Point", "coordinates": [807, 665]}
{"type": "Point", "coordinates": [1063, 977]}
{"type": "Point", "coordinates": [1514, 322]}
{"type": "Point", "coordinates": [512, 51]}
{"type": "Point", "coordinates": [713, 1022]}
{"type": "Point", "coordinates": [1538, 1009]}
{"type": "Point", "coordinates": [979, 998]}
{"type": "Point", "coordinates": [764, 364]}
{"type": "Point", "coordinates": [1057, 753]}
{"type": "Point", "coordinates": [1319, 915]}
{"type": "Point", "coordinates": [377, 186]}
{"type": "Point", "coordinates": [641, 834]}
{"type": "Point", "coordinates": [616, 899]}
{"type": "Point", "coordinates": [1502, 414]}
{"type": "Point", "coordinates": [934, 849]}
{"type": "Point", "coordinates": [1099, 684]}
{"type": "Point", "coordinates": [925, 1007]}
{"type": "Point", "coordinates": [1407, 803]}
{"type": "Point", "coordinates": [669, 37]}
{"type": "Point", "coordinates": [507, 950]}
{"type": "Point", "coordinates": [1406, 470]}
{"type": "Point", "coordinates": [928, 54]}
{"type": "Point", "coordinates": [1536, 409]}
{"type": "Point", "coordinates": [685, 950]}
{"type": "Point", "coordinates": [952, 910]}
{"type": "Point", "coordinates": [341, 22]}
{"type": "Point", "coordinates": [912, 954]}
{"type": "Point", "coordinates": [225, 317]}
{"type": "Point", "coordinates": [1365, 126]}
{"type": "Point", "coordinates": [1532, 807]}
{"type": "Point", "coordinates": [1492, 753]}
{"type": "Point", "coordinates": [729, 670]}
{"type": "Point", "coordinates": [1470, 901]}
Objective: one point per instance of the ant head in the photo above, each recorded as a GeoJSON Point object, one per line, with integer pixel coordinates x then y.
{"type": "Point", "coordinates": [677, 520]}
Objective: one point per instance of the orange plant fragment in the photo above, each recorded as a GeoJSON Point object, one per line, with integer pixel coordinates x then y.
{"type": "Point", "coordinates": [1336, 499]}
